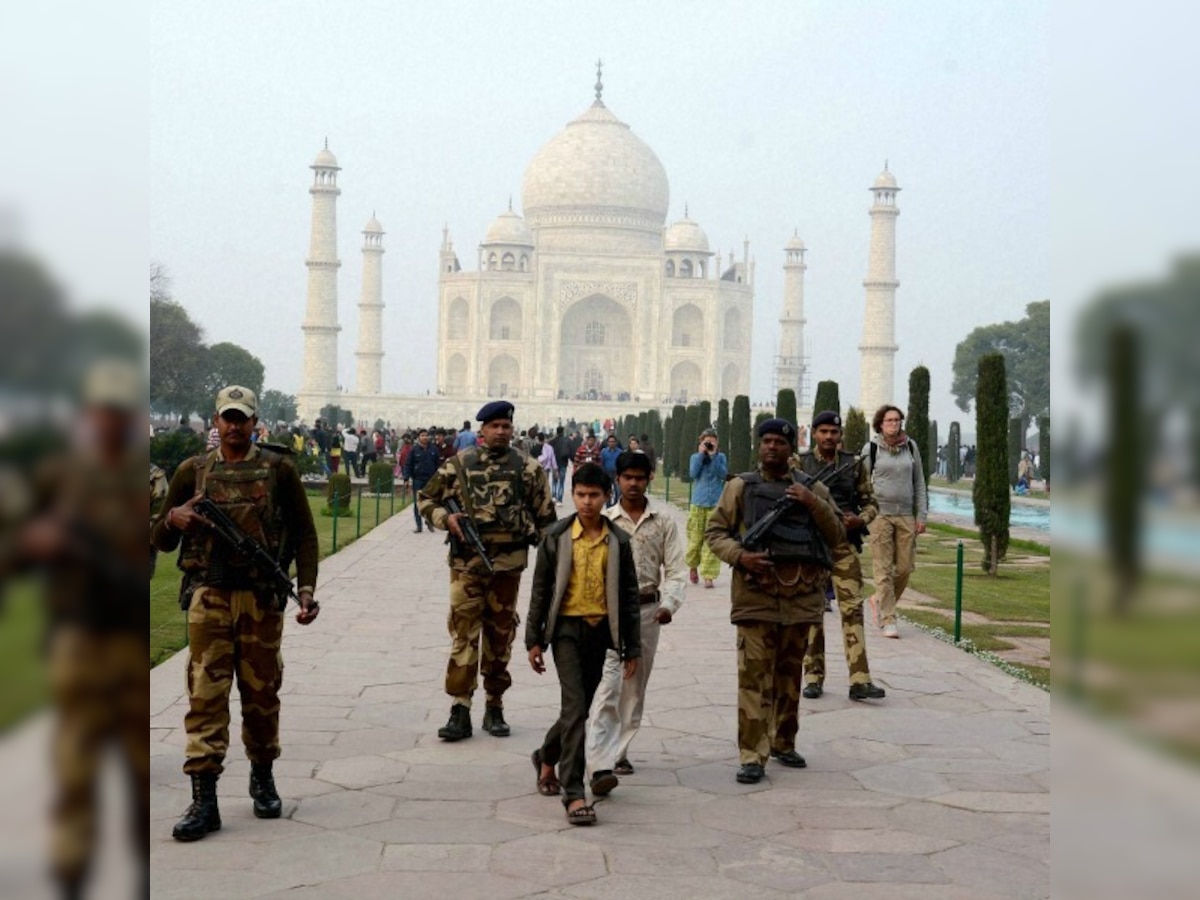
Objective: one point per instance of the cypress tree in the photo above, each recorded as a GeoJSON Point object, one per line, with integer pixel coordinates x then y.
{"type": "Point", "coordinates": [643, 425]}
{"type": "Point", "coordinates": [1126, 473]}
{"type": "Point", "coordinates": [739, 435]}
{"type": "Point", "coordinates": [855, 431]}
{"type": "Point", "coordinates": [991, 493]}
{"type": "Point", "coordinates": [827, 397]}
{"type": "Point", "coordinates": [687, 443]}
{"type": "Point", "coordinates": [706, 419]}
{"type": "Point", "coordinates": [917, 421]}
{"type": "Point", "coordinates": [758, 420]}
{"type": "Point", "coordinates": [654, 428]}
{"type": "Point", "coordinates": [723, 424]}
{"type": "Point", "coordinates": [676, 435]}
{"type": "Point", "coordinates": [954, 453]}
{"type": "Point", "coordinates": [1043, 424]}
{"type": "Point", "coordinates": [933, 446]}
{"type": "Point", "coordinates": [1016, 443]}
{"type": "Point", "coordinates": [785, 405]}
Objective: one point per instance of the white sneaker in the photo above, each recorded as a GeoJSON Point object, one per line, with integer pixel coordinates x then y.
{"type": "Point", "coordinates": [890, 630]}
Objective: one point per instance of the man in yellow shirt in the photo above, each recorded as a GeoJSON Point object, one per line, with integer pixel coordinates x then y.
{"type": "Point", "coordinates": [584, 602]}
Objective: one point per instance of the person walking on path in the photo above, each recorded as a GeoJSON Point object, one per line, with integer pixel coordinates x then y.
{"type": "Point", "coordinates": [608, 460]}
{"type": "Point", "coordinates": [584, 602]}
{"type": "Point", "coordinates": [549, 463]}
{"type": "Point", "coordinates": [707, 468]}
{"type": "Point", "coordinates": [588, 452]}
{"type": "Point", "coordinates": [616, 713]}
{"type": "Point", "coordinates": [466, 438]}
{"type": "Point", "coordinates": [899, 484]}
{"type": "Point", "coordinates": [506, 496]}
{"type": "Point", "coordinates": [562, 458]}
{"type": "Point", "coordinates": [777, 593]}
{"type": "Point", "coordinates": [849, 482]}
{"type": "Point", "coordinates": [420, 465]}
{"type": "Point", "coordinates": [235, 610]}
{"type": "Point", "coordinates": [350, 443]}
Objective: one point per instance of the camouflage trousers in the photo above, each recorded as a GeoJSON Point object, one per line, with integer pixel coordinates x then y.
{"type": "Point", "coordinates": [847, 585]}
{"type": "Point", "coordinates": [770, 666]}
{"type": "Point", "coordinates": [99, 683]}
{"type": "Point", "coordinates": [481, 605]}
{"type": "Point", "coordinates": [698, 555]}
{"type": "Point", "coordinates": [893, 560]}
{"type": "Point", "coordinates": [228, 633]}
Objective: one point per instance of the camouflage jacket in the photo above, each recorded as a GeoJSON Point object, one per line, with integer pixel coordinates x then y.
{"type": "Point", "coordinates": [794, 594]}
{"type": "Point", "coordinates": [504, 491]}
{"type": "Point", "coordinates": [289, 497]}
{"type": "Point", "coordinates": [854, 481]}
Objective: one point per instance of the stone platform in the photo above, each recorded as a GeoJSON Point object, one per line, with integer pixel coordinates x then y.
{"type": "Point", "coordinates": [939, 791]}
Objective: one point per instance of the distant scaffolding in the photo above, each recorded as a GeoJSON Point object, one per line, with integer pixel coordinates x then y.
{"type": "Point", "coordinates": [791, 372]}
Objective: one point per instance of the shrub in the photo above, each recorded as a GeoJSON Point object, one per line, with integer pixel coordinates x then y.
{"type": "Point", "coordinates": [1016, 444]}
{"type": "Point", "coordinates": [723, 424]}
{"type": "Point", "coordinates": [954, 453]}
{"type": "Point", "coordinates": [1043, 425]}
{"type": "Point", "coordinates": [785, 405]}
{"type": "Point", "coordinates": [168, 450]}
{"type": "Point", "coordinates": [380, 478]}
{"type": "Point", "coordinates": [337, 495]}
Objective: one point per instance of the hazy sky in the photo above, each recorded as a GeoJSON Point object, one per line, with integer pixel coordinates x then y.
{"type": "Point", "coordinates": [768, 118]}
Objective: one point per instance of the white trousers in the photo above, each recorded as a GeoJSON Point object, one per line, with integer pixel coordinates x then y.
{"type": "Point", "coordinates": [616, 713]}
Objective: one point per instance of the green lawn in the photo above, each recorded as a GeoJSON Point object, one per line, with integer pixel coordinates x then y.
{"type": "Point", "coordinates": [168, 631]}
{"type": "Point", "coordinates": [22, 665]}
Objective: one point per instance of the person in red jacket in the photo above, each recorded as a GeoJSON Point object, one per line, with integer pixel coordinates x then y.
{"type": "Point", "coordinates": [588, 452]}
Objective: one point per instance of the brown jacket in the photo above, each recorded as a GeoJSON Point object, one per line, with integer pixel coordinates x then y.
{"type": "Point", "coordinates": [774, 598]}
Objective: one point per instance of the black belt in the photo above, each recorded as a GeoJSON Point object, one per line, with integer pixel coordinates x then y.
{"type": "Point", "coordinates": [651, 597]}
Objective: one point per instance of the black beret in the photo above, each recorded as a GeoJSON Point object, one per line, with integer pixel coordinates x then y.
{"type": "Point", "coordinates": [497, 409]}
{"type": "Point", "coordinates": [779, 426]}
{"type": "Point", "coordinates": [828, 417]}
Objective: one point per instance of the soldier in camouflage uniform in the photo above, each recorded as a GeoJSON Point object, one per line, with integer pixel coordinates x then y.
{"type": "Point", "coordinates": [235, 615]}
{"type": "Point", "coordinates": [849, 482]}
{"type": "Point", "coordinates": [158, 496]}
{"type": "Point", "coordinates": [80, 522]}
{"type": "Point", "coordinates": [777, 593]}
{"type": "Point", "coordinates": [506, 494]}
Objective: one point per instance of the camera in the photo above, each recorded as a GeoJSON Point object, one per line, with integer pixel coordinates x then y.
{"type": "Point", "coordinates": [710, 446]}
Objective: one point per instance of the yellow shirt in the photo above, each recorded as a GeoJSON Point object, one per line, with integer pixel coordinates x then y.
{"type": "Point", "coordinates": [589, 562]}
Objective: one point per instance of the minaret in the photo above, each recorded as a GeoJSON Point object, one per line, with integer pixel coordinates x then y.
{"type": "Point", "coordinates": [370, 310]}
{"type": "Point", "coordinates": [878, 348]}
{"type": "Point", "coordinates": [791, 367]}
{"type": "Point", "coordinates": [320, 381]}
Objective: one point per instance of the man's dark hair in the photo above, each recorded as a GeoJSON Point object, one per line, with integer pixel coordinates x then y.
{"type": "Point", "coordinates": [559, 430]}
{"type": "Point", "coordinates": [466, 425]}
{"type": "Point", "coordinates": [592, 475]}
{"type": "Point", "coordinates": [631, 460]}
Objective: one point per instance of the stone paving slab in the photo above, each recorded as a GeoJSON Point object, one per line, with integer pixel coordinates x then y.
{"type": "Point", "coordinates": [939, 791]}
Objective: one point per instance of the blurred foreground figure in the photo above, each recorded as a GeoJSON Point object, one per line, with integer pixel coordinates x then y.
{"type": "Point", "coordinates": [234, 608]}
{"type": "Point", "coordinates": [87, 532]}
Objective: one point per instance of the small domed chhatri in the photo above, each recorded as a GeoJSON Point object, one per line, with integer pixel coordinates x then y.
{"type": "Point", "coordinates": [508, 228]}
{"type": "Point", "coordinates": [886, 180]}
{"type": "Point", "coordinates": [685, 235]}
{"type": "Point", "coordinates": [373, 226]}
{"type": "Point", "coordinates": [325, 159]}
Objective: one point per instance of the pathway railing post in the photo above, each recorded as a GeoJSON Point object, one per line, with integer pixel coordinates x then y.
{"type": "Point", "coordinates": [958, 584]}
{"type": "Point", "coordinates": [333, 506]}
{"type": "Point", "coordinates": [358, 523]}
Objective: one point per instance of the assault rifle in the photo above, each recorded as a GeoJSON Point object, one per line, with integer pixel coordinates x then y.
{"type": "Point", "coordinates": [755, 538]}
{"type": "Point", "coordinates": [248, 548]}
{"type": "Point", "coordinates": [471, 533]}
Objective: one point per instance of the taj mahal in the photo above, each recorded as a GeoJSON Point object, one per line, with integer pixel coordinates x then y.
{"type": "Point", "coordinates": [588, 305]}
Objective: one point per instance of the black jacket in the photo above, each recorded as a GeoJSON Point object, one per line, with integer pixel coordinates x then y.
{"type": "Point", "coordinates": [551, 576]}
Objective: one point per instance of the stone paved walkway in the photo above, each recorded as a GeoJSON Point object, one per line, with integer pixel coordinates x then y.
{"type": "Point", "coordinates": [939, 791]}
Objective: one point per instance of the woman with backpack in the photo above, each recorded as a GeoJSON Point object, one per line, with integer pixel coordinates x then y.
{"type": "Point", "coordinates": [899, 484]}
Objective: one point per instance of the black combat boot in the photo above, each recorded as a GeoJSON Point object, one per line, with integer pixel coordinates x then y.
{"type": "Point", "coordinates": [459, 726]}
{"type": "Point", "coordinates": [267, 804]}
{"type": "Point", "coordinates": [493, 722]}
{"type": "Point", "coordinates": [202, 816]}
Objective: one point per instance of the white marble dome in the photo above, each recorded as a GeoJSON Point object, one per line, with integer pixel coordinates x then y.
{"type": "Point", "coordinates": [325, 160]}
{"type": "Point", "coordinates": [596, 170]}
{"type": "Point", "coordinates": [685, 235]}
{"type": "Point", "coordinates": [508, 228]}
{"type": "Point", "coordinates": [886, 180]}
{"type": "Point", "coordinates": [373, 226]}
{"type": "Point", "coordinates": [795, 243]}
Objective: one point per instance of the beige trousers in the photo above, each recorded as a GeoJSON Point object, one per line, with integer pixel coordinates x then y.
{"type": "Point", "coordinates": [893, 556]}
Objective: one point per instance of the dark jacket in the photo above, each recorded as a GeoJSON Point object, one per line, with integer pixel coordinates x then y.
{"type": "Point", "coordinates": [422, 463]}
{"type": "Point", "coordinates": [552, 574]}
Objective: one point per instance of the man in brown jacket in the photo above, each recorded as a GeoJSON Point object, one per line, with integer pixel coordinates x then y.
{"type": "Point", "coordinates": [777, 592]}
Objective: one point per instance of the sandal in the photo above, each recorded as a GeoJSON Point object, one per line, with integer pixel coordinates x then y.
{"type": "Point", "coordinates": [582, 815]}
{"type": "Point", "coordinates": [548, 786]}
{"type": "Point", "coordinates": [623, 767]}
{"type": "Point", "coordinates": [693, 576]}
